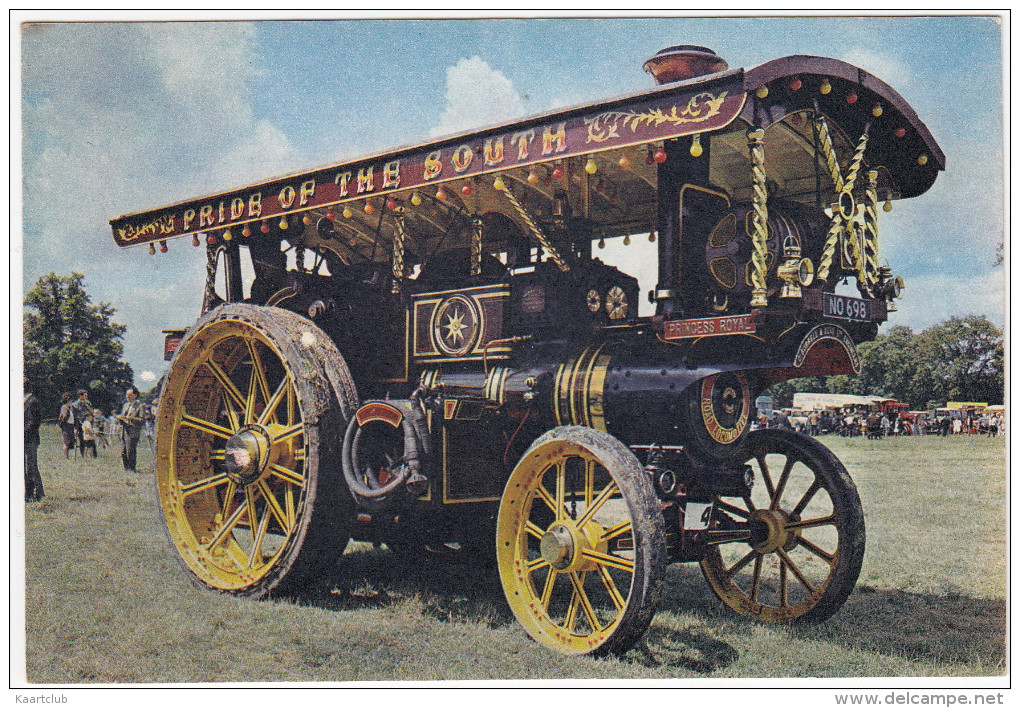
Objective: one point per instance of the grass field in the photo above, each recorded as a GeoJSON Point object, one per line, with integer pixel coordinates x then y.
{"type": "Point", "coordinates": [106, 602]}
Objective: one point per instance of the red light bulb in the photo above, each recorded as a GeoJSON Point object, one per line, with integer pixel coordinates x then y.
{"type": "Point", "coordinates": [467, 190]}
{"type": "Point", "coordinates": [391, 204]}
{"type": "Point", "coordinates": [795, 84]}
{"type": "Point", "coordinates": [900, 132]}
{"type": "Point", "coordinates": [264, 228]}
{"type": "Point", "coordinates": [660, 155]}
{"type": "Point", "coordinates": [852, 98]}
{"type": "Point", "coordinates": [211, 239]}
{"type": "Point", "coordinates": [557, 172]}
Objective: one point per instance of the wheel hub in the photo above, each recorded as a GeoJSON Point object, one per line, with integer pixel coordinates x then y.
{"type": "Point", "coordinates": [246, 454]}
{"type": "Point", "coordinates": [769, 531]}
{"type": "Point", "coordinates": [557, 546]}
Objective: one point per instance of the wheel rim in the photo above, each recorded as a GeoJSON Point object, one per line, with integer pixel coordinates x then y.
{"type": "Point", "coordinates": [235, 465]}
{"type": "Point", "coordinates": [567, 541]}
{"type": "Point", "coordinates": [792, 547]}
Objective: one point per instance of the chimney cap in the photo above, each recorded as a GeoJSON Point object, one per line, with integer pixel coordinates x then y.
{"type": "Point", "coordinates": [683, 61]}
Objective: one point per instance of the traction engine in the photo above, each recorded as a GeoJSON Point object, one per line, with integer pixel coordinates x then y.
{"type": "Point", "coordinates": [539, 344]}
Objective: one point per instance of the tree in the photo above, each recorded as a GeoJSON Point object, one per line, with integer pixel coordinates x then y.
{"type": "Point", "coordinates": [964, 358]}
{"type": "Point", "coordinates": [71, 343]}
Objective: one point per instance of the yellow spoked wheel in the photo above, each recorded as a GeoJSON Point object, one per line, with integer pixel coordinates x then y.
{"type": "Point", "coordinates": [792, 548]}
{"type": "Point", "coordinates": [248, 452]}
{"type": "Point", "coordinates": [581, 543]}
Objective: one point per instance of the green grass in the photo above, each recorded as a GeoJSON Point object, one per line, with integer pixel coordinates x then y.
{"type": "Point", "coordinates": [106, 602]}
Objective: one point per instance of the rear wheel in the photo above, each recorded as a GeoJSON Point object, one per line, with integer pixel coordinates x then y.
{"type": "Point", "coordinates": [581, 543]}
{"type": "Point", "coordinates": [792, 548]}
{"type": "Point", "coordinates": [248, 450]}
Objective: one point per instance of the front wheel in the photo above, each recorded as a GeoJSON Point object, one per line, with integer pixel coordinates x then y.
{"type": "Point", "coordinates": [248, 453]}
{"type": "Point", "coordinates": [581, 543]}
{"type": "Point", "coordinates": [792, 548]}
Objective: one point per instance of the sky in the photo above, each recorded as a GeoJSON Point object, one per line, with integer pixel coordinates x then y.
{"type": "Point", "coordinates": [119, 117]}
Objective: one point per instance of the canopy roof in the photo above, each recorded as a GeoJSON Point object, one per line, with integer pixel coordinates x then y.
{"type": "Point", "coordinates": [596, 159]}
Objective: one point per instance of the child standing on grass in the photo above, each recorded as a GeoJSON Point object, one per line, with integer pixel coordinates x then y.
{"type": "Point", "coordinates": [88, 437]}
{"type": "Point", "coordinates": [99, 423]}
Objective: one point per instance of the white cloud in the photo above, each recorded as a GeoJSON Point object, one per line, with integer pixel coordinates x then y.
{"type": "Point", "coordinates": [477, 95]}
{"type": "Point", "coordinates": [889, 69]}
{"type": "Point", "coordinates": [147, 376]}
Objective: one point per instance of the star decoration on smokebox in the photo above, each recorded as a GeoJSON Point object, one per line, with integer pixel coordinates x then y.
{"type": "Point", "coordinates": [455, 327]}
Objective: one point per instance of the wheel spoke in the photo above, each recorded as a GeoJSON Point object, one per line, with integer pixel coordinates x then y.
{"type": "Point", "coordinates": [756, 577]}
{"type": "Point", "coordinates": [288, 433]}
{"type": "Point", "coordinates": [766, 477]}
{"type": "Point", "coordinates": [602, 498]}
{"type": "Point", "coordinates": [532, 528]}
{"type": "Point", "coordinates": [534, 565]}
{"type": "Point", "coordinates": [738, 566]}
{"type": "Point", "coordinates": [218, 455]}
{"type": "Point", "coordinates": [561, 484]}
{"type": "Point", "coordinates": [227, 525]}
{"type": "Point", "coordinates": [249, 496]}
{"type": "Point", "coordinates": [256, 547]}
{"type": "Point", "coordinates": [203, 484]}
{"type": "Point", "coordinates": [829, 520]}
{"type": "Point", "coordinates": [806, 499]}
{"type": "Point", "coordinates": [258, 372]}
{"type": "Point", "coordinates": [206, 426]}
{"type": "Point", "coordinates": [614, 592]}
{"type": "Point", "coordinates": [781, 484]}
{"type": "Point", "coordinates": [279, 394]}
{"type": "Point", "coordinates": [577, 580]}
{"type": "Point", "coordinates": [730, 508]}
{"type": "Point", "coordinates": [542, 493]}
{"type": "Point", "coordinates": [228, 496]}
{"type": "Point", "coordinates": [610, 560]}
{"type": "Point", "coordinates": [229, 389]}
{"type": "Point", "coordinates": [614, 531]}
{"type": "Point", "coordinates": [829, 558]}
{"type": "Point", "coordinates": [287, 474]}
{"type": "Point", "coordinates": [232, 418]}
{"type": "Point", "coordinates": [547, 589]}
{"type": "Point", "coordinates": [795, 570]}
{"type": "Point", "coordinates": [783, 601]}
{"type": "Point", "coordinates": [274, 506]}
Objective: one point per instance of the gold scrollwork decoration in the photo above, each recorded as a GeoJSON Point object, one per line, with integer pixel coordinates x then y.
{"type": "Point", "coordinates": [606, 126]}
{"type": "Point", "coordinates": [162, 226]}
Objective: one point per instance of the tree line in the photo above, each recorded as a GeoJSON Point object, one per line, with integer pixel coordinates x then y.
{"type": "Point", "coordinates": [71, 343]}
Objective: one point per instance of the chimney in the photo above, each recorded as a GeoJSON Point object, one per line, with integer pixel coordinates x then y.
{"type": "Point", "coordinates": [682, 62]}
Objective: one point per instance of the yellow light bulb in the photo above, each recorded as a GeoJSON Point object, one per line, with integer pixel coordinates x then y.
{"type": "Point", "coordinates": [696, 149]}
{"type": "Point", "coordinates": [825, 88]}
{"type": "Point", "coordinates": [626, 240]}
{"type": "Point", "coordinates": [922, 160]}
{"type": "Point", "coordinates": [415, 199]}
{"type": "Point", "coordinates": [590, 167]}
{"type": "Point", "coordinates": [877, 110]}
{"type": "Point", "coordinates": [762, 92]}
{"type": "Point", "coordinates": [284, 224]}
{"type": "Point", "coordinates": [624, 161]}
{"type": "Point", "coordinates": [498, 184]}
{"type": "Point", "coordinates": [347, 212]}
{"type": "Point", "coordinates": [152, 249]}
{"type": "Point", "coordinates": [887, 206]}
{"type": "Point", "coordinates": [227, 235]}
{"type": "Point", "coordinates": [602, 243]}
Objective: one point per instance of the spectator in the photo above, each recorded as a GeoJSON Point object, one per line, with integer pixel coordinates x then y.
{"type": "Point", "coordinates": [812, 420]}
{"type": "Point", "coordinates": [82, 410]}
{"type": "Point", "coordinates": [33, 417]}
{"type": "Point", "coordinates": [150, 428]}
{"type": "Point", "coordinates": [99, 421]}
{"type": "Point", "coordinates": [957, 426]}
{"type": "Point", "coordinates": [66, 423]}
{"type": "Point", "coordinates": [130, 419]}
{"type": "Point", "coordinates": [88, 436]}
